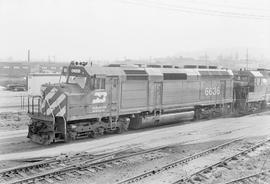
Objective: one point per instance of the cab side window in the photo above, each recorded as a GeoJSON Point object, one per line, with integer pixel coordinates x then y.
{"type": "Point", "coordinates": [92, 83]}
{"type": "Point", "coordinates": [99, 83]}
{"type": "Point", "coordinates": [102, 85]}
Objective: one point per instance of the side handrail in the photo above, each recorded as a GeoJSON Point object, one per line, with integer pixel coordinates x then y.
{"type": "Point", "coordinates": [31, 104]}
{"type": "Point", "coordinates": [50, 107]}
{"type": "Point", "coordinates": [65, 124]}
{"type": "Point", "coordinates": [62, 116]}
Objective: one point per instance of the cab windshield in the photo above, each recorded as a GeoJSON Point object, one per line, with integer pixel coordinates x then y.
{"type": "Point", "coordinates": [81, 81]}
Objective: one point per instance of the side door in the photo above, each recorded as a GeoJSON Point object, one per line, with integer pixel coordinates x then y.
{"type": "Point", "coordinates": [114, 96]}
{"type": "Point", "coordinates": [157, 95]}
{"type": "Point", "coordinates": [223, 89]}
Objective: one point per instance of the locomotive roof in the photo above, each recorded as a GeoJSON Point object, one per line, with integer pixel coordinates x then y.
{"type": "Point", "coordinates": [125, 71]}
{"type": "Point", "coordinates": [256, 73]}
{"type": "Point", "coordinates": [215, 72]}
{"type": "Point", "coordinates": [110, 71]}
{"type": "Point", "coordinates": [250, 73]}
{"type": "Point", "coordinates": [189, 72]}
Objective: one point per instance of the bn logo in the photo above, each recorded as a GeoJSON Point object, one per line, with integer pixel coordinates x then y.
{"type": "Point", "coordinates": [100, 97]}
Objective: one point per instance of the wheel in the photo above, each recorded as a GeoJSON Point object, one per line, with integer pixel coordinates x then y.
{"type": "Point", "coordinates": [197, 115]}
{"type": "Point", "coordinates": [93, 135]}
{"type": "Point", "coordinates": [119, 130]}
{"type": "Point", "coordinates": [45, 139]}
{"type": "Point", "coordinates": [68, 138]}
{"type": "Point", "coordinates": [214, 114]}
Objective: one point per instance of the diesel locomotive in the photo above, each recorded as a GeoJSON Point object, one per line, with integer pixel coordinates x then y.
{"type": "Point", "coordinates": [98, 100]}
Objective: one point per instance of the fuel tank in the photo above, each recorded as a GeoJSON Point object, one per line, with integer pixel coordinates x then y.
{"type": "Point", "coordinates": [151, 121]}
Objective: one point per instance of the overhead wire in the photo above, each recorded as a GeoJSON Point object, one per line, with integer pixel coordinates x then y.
{"type": "Point", "coordinates": [185, 9]}
{"type": "Point", "coordinates": [196, 10]}
{"type": "Point", "coordinates": [226, 5]}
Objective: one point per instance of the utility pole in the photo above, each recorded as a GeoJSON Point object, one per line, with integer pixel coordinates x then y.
{"type": "Point", "coordinates": [247, 60]}
{"type": "Point", "coordinates": [28, 56]}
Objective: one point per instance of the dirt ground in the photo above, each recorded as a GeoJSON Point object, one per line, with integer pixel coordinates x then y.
{"type": "Point", "coordinates": [15, 145]}
{"type": "Point", "coordinates": [12, 101]}
{"type": "Point", "coordinates": [10, 121]}
{"type": "Point", "coordinates": [191, 136]}
{"type": "Point", "coordinates": [252, 163]}
{"type": "Point", "coordinates": [137, 165]}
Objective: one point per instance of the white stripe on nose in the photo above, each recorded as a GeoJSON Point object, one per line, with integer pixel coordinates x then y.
{"type": "Point", "coordinates": [56, 103]}
{"type": "Point", "coordinates": [51, 94]}
{"type": "Point", "coordinates": [47, 97]}
{"type": "Point", "coordinates": [62, 111]}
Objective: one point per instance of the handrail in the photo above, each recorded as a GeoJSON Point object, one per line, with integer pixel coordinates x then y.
{"type": "Point", "coordinates": [65, 125]}
{"type": "Point", "coordinates": [50, 108]}
{"type": "Point", "coordinates": [61, 116]}
{"type": "Point", "coordinates": [33, 104]}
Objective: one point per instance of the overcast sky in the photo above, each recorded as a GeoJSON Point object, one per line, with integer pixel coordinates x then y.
{"type": "Point", "coordinates": [117, 29]}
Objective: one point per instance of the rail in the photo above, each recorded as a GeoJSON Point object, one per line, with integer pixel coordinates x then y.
{"type": "Point", "coordinates": [80, 166]}
{"type": "Point", "coordinates": [199, 173]}
{"type": "Point", "coordinates": [176, 163]}
{"type": "Point", "coordinates": [243, 179]}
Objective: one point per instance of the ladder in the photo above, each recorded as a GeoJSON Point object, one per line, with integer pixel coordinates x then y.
{"type": "Point", "coordinates": [65, 124]}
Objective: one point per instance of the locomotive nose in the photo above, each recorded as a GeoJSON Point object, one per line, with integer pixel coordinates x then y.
{"type": "Point", "coordinates": [53, 101]}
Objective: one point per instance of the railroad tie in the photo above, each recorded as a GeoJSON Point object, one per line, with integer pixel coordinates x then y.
{"type": "Point", "coordinates": [37, 181]}
{"type": "Point", "coordinates": [107, 165]}
{"type": "Point", "coordinates": [23, 174]}
{"type": "Point", "coordinates": [86, 172]}
{"type": "Point", "coordinates": [49, 180]}
{"type": "Point", "coordinates": [91, 170]}
{"type": "Point", "coordinates": [261, 181]}
{"type": "Point", "coordinates": [190, 181]}
{"type": "Point", "coordinates": [32, 171]}
{"type": "Point", "coordinates": [62, 165]}
{"type": "Point", "coordinates": [98, 167]}
{"type": "Point", "coordinates": [58, 178]}
{"type": "Point", "coordinates": [53, 166]}
{"type": "Point", "coordinates": [41, 169]}
{"type": "Point", "coordinates": [9, 175]}
{"type": "Point", "coordinates": [123, 161]}
{"type": "Point", "coordinates": [116, 163]}
{"type": "Point", "coordinates": [70, 174]}
{"type": "Point", "coordinates": [80, 172]}
{"type": "Point", "coordinates": [202, 176]}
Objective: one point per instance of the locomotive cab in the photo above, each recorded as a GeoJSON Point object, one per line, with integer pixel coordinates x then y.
{"type": "Point", "coordinates": [249, 91]}
{"type": "Point", "coordinates": [82, 106]}
{"type": "Point", "coordinates": [48, 112]}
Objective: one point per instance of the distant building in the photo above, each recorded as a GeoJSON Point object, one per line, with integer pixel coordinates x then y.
{"type": "Point", "coordinates": [22, 69]}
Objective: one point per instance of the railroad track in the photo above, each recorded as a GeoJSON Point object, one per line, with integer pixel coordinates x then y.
{"type": "Point", "coordinates": [11, 175]}
{"type": "Point", "coordinates": [223, 162]}
{"type": "Point", "coordinates": [251, 178]}
{"type": "Point", "coordinates": [176, 163]}
{"type": "Point", "coordinates": [53, 169]}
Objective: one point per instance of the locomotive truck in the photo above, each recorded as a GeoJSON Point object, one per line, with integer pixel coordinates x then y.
{"type": "Point", "coordinates": [98, 100]}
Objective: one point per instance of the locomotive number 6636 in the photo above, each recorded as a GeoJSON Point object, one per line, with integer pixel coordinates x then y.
{"type": "Point", "coordinates": [212, 91]}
